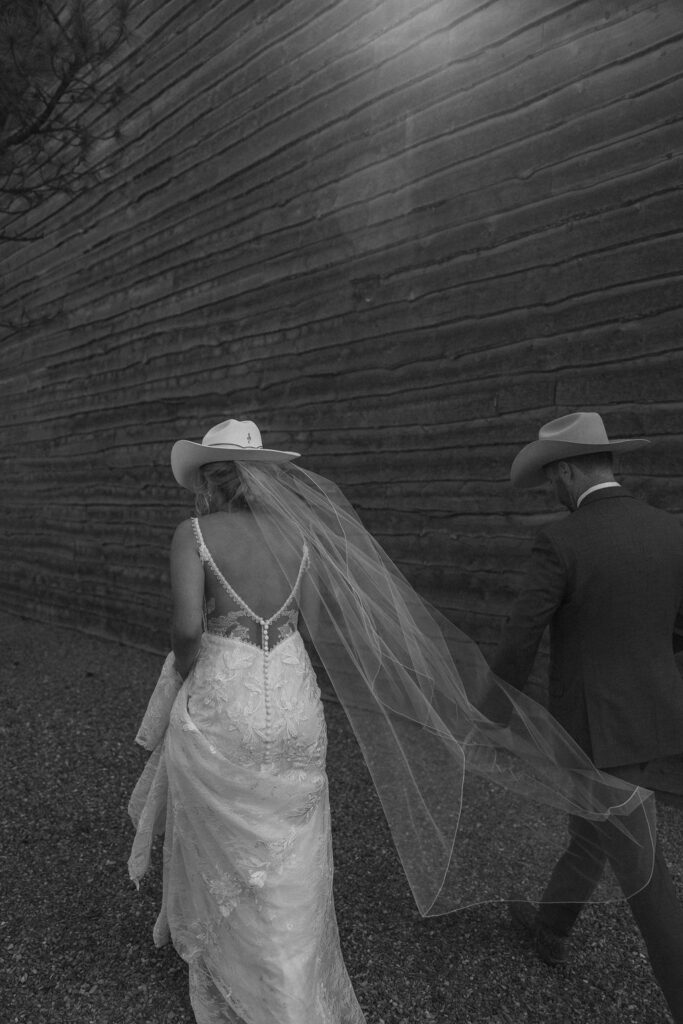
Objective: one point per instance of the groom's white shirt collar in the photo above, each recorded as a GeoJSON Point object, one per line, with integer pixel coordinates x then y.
{"type": "Point", "coordinates": [595, 487]}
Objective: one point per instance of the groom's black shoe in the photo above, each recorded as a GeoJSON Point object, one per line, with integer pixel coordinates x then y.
{"type": "Point", "coordinates": [549, 947]}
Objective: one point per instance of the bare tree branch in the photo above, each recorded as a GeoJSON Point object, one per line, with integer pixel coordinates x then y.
{"type": "Point", "coordinates": [21, 135]}
{"type": "Point", "coordinates": [51, 58]}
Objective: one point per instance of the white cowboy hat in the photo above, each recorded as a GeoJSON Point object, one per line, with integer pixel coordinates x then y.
{"type": "Point", "coordinates": [579, 433]}
{"type": "Point", "coordinates": [229, 441]}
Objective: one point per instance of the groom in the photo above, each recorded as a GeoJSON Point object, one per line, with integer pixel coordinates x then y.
{"type": "Point", "coordinates": [608, 580]}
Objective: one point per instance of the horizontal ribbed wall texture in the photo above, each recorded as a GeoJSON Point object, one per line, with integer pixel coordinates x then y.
{"type": "Point", "coordinates": [400, 236]}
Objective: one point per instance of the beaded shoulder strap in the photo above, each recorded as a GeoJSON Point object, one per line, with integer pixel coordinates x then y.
{"type": "Point", "coordinates": [202, 549]}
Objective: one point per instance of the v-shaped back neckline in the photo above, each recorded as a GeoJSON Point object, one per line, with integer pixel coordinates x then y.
{"type": "Point", "coordinates": [231, 590]}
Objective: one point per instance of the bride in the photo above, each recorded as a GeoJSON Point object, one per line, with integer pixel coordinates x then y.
{"type": "Point", "coordinates": [247, 856]}
{"type": "Point", "coordinates": [236, 779]}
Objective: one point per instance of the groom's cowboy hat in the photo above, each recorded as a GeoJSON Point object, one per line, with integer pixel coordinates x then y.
{"type": "Point", "coordinates": [229, 441]}
{"type": "Point", "coordinates": [579, 433]}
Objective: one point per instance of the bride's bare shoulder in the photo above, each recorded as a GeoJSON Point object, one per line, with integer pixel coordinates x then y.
{"type": "Point", "coordinates": [183, 532]}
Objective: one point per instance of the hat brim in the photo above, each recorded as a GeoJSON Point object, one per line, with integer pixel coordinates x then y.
{"type": "Point", "coordinates": [527, 467]}
{"type": "Point", "coordinates": [188, 456]}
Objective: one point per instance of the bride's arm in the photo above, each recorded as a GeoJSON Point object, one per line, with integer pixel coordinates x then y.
{"type": "Point", "coordinates": [187, 586]}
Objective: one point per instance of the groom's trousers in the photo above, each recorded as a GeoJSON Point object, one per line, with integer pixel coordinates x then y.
{"type": "Point", "coordinates": [656, 908]}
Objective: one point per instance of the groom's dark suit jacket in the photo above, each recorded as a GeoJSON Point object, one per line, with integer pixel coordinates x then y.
{"type": "Point", "coordinates": [609, 580]}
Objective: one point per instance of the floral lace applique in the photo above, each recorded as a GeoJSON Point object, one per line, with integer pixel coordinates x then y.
{"type": "Point", "coordinates": [227, 891]}
{"type": "Point", "coordinates": [305, 810]}
{"type": "Point", "coordinates": [233, 626]}
{"type": "Point", "coordinates": [288, 627]}
{"type": "Point", "coordinates": [205, 932]}
{"type": "Point", "coordinates": [282, 845]}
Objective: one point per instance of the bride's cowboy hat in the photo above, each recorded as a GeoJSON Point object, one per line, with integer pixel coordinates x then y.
{"type": "Point", "coordinates": [229, 441]}
{"type": "Point", "coordinates": [579, 433]}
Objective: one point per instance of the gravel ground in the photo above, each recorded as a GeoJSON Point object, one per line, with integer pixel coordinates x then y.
{"type": "Point", "coordinates": [77, 936]}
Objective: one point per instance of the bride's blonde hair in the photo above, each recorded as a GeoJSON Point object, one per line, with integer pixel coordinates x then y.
{"type": "Point", "coordinates": [219, 486]}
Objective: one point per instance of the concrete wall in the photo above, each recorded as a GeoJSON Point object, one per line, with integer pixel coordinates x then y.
{"type": "Point", "coordinates": [398, 235]}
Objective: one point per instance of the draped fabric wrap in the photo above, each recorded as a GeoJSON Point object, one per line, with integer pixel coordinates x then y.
{"type": "Point", "coordinates": [475, 778]}
{"type": "Point", "coordinates": [148, 802]}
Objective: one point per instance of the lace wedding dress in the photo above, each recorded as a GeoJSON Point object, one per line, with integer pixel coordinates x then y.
{"type": "Point", "coordinates": [237, 782]}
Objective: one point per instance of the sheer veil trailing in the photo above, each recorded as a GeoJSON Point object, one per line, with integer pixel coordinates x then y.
{"type": "Point", "coordinates": [475, 779]}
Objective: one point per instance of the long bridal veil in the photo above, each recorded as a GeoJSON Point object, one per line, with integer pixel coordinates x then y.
{"type": "Point", "coordinates": [475, 779]}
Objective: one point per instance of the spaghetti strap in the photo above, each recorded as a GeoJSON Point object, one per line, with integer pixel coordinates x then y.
{"type": "Point", "coordinates": [206, 556]}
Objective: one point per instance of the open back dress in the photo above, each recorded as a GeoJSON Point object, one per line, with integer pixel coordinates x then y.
{"type": "Point", "coordinates": [237, 781]}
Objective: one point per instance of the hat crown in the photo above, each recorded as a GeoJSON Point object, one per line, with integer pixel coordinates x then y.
{"type": "Point", "coordinates": [233, 434]}
{"type": "Point", "coordinates": [576, 428]}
